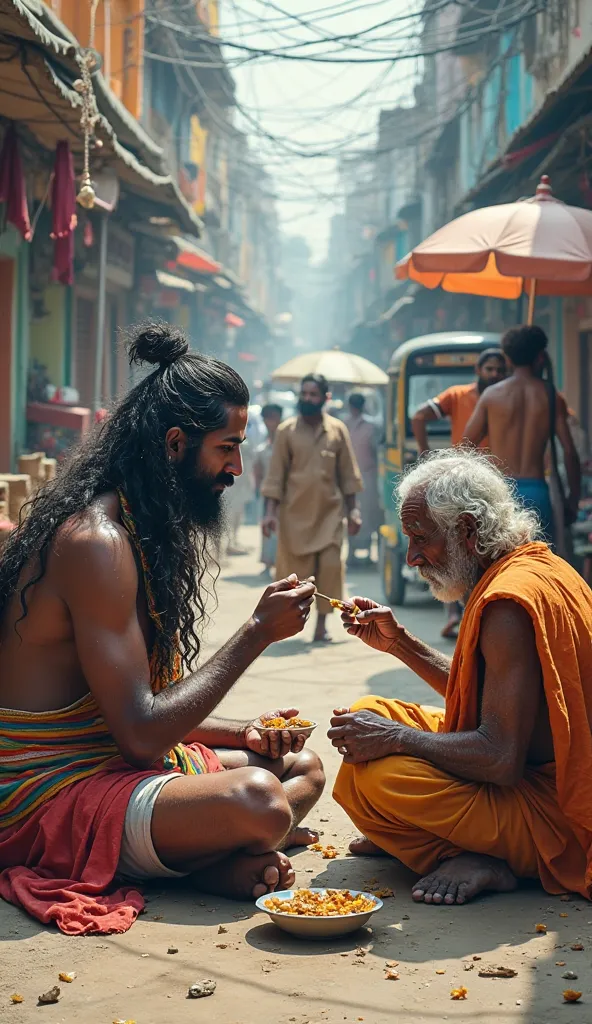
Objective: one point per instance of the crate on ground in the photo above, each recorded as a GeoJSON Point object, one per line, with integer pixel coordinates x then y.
{"type": "Point", "coordinates": [19, 491]}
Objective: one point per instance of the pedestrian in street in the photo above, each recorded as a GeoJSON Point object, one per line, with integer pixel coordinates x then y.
{"type": "Point", "coordinates": [495, 787]}
{"type": "Point", "coordinates": [515, 415]}
{"type": "Point", "coordinates": [111, 760]}
{"type": "Point", "coordinates": [364, 438]}
{"type": "Point", "coordinates": [271, 415]}
{"type": "Point", "coordinates": [313, 472]}
{"type": "Point", "coordinates": [458, 403]}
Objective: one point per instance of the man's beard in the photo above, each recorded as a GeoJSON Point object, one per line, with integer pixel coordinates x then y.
{"type": "Point", "coordinates": [203, 504]}
{"type": "Point", "coordinates": [457, 579]}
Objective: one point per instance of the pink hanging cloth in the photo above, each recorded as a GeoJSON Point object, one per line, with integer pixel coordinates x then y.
{"type": "Point", "coordinates": [12, 185]}
{"type": "Point", "coordinates": [63, 204]}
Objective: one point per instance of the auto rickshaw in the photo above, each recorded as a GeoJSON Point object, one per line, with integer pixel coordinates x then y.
{"type": "Point", "coordinates": [420, 369]}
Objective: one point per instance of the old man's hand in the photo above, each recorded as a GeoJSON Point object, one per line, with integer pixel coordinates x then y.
{"type": "Point", "coordinates": [363, 736]}
{"type": "Point", "coordinates": [277, 742]}
{"type": "Point", "coordinates": [375, 624]}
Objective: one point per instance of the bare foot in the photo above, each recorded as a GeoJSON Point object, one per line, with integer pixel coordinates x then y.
{"type": "Point", "coordinates": [459, 879]}
{"type": "Point", "coordinates": [245, 876]}
{"type": "Point", "coordinates": [363, 847]}
{"type": "Point", "coordinates": [450, 630]}
{"type": "Point", "coordinates": [300, 837]}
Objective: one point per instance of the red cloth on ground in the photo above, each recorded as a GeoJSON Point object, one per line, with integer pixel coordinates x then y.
{"type": "Point", "coordinates": [12, 185]}
{"type": "Point", "coordinates": [59, 864]}
{"type": "Point", "coordinates": [63, 205]}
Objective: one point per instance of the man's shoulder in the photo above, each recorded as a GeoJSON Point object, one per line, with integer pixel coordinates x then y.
{"type": "Point", "coordinates": [92, 540]}
{"type": "Point", "coordinates": [457, 391]}
{"type": "Point", "coordinates": [336, 425]}
{"type": "Point", "coordinates": [287, 426]}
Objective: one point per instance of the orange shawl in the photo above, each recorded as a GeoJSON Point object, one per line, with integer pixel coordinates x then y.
{"type": "Point", "coordinates": [559, 603]}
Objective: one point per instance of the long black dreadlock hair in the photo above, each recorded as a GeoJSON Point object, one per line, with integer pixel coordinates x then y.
{"type": "Point", "coordinates": [187, 390]}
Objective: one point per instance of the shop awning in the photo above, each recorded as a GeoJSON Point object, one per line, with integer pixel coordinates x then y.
{"type": "Point", "coordinates": [191, 256]}
{"type": "Point", "coordinates": [167, 280]}
{"type": "Point", "coordinates": [37, 70]}
{"type": "Point", "coordinates": [232, 320]}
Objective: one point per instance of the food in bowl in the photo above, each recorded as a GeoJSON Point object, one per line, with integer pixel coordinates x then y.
{"type": "Point", "coordinates": [286, 723]}
{"type": "Point", "coordinates": [331, 903]}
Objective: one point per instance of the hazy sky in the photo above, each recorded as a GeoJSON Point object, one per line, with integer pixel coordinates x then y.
{"type": "Point", "coordinates": [315, 107]}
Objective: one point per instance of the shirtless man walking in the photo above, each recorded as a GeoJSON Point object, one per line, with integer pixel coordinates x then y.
{"type": "Point", "coordinates": [110, 761]}
{"type": "Point", "coordinates": [515, 415]}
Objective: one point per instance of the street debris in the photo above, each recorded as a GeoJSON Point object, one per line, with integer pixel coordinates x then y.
{"type": "Point", "coordinates": [201, 989]}
{"type": "Point", "coordinates": [67, 976]}
{"type": "Point", "coordinates": [570, 976]}
{"type": "Point", "coordinates": [541, 929]}
{"type": "Point", "coordinates": [16, 997]}
{"type": "Point", "coordinates": [172, 949]}
{"type": "Point", "coordinates": [391, 975]}
{"type": "Point", "coordinates": [459, 993]}
{"type": "Point", "coordinates": [49, 997]}
{"type": "Point", "coordinates": [577, 947]}
{"type": "Point", "coordinates": [497, 972]}
{"type": "Point", "coordinates": [469, 967]}
{"type": "Point", "coordinates": [570, 996]}
{"type": "Point", "coordinates": [328, 852]}
{"type": "Point", "coordinates": [222, 930]}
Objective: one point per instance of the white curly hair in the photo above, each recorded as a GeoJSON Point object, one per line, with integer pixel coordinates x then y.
{"type": "Point", "coordinates": [464, 481]}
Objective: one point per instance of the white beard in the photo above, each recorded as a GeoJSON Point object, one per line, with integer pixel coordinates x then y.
{"type": "Point", "coordinates": [457, 579]}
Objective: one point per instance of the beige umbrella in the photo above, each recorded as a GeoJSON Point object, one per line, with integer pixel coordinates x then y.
{"type": "Point", "coordinates": [337, 366]}
{"type": "Point", "coordinates": [537, 246]}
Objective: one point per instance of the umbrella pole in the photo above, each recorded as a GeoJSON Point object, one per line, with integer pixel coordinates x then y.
{"type": "Point", "coordinates": [531, 300]}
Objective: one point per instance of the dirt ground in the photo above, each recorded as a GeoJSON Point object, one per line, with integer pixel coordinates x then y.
{"type": "Point", "coordinates": [266, 977]}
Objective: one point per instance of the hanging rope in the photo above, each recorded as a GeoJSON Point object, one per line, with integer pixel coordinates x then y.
{"type": "Point", "coordinates": [89, 117]}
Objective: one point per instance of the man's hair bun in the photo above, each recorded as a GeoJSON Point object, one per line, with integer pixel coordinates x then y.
{"type": "Point", "coordinates": [156, 342]}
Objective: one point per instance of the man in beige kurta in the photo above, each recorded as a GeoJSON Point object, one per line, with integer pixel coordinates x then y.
{"type": "Point", "coordinates": [364, 438]}
{"type": "Point", "coordinates": [313, 474]}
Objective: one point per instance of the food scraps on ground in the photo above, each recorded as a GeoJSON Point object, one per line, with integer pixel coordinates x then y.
{"type": "Point", "coordinates": [305, 903]}
{"type": "Point", "coordinates": [541, 929]}
{"type": "Point", "coordinates": [16, 997]}
{"type": "Point", "coordinates": [440, 972]}
{"type": "Point", "coordinates": [571, 996]}
{"type": "Point", "coordinates": [497, 972]}
{"type": "Point", "coordinates": [459, 993]}
{"type": "Point", "coordinates": [49, 997]}
{"type": "Point", "coordinates": [120, 1020]}
{"type": "Point", "coordinates": [67, 976]}
{"type": "Point", "coordinates": [564, 915]}
{"type": "Point", "coordinates": [391, 975]}
{"type": "Point", "coordinates": [328, 852]}
{"type": "Point", "coordinates": [201, 989]}
{"type": "Point", "coordinates": [577, 947]}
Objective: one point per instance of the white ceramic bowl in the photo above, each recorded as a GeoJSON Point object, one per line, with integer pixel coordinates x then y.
{"type": "Point", "coordinates": [319, 927]}
{"type": "Point", "coordinates": [295, 730]}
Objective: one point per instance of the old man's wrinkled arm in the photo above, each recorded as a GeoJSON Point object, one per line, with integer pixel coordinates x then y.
{"type": "Point", "coordinates": [496, 751]}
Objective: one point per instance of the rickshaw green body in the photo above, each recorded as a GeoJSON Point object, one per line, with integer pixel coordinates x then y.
{"type": "Point", "coordinates": [420, 369]}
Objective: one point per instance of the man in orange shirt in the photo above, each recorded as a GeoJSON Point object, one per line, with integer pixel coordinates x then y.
{"type": "Point", "coordinates": [458, 403]}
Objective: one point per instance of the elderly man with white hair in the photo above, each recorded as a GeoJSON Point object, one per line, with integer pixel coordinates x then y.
{"type": "Point", "coordinates": [498, 786]}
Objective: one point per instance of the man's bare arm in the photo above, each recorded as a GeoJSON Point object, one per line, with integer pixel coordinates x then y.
{"type": "Point", "coordinates": [570, 455]}
{"type": "Point", "coordinates": [424, 415]}
{"type": "Point", "coordinates": [429, 664]}
{"type": "Point", "coordinates": [494, 752]}
{"type": "Point", "coordinates": [477, 428]}
{"type": "Point", "coordinates": [112, 649]}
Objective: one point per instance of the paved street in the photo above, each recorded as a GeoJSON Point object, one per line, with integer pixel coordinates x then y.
{"type": "Point", "coordinates": [262, 976]}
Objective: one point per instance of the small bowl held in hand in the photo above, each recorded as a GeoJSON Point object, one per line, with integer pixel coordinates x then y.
{"type": "Point", "coordinates": [295, 726]}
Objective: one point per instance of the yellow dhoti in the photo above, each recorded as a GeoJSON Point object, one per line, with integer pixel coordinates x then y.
{"type": "Point", "coordinates": [422, 815]}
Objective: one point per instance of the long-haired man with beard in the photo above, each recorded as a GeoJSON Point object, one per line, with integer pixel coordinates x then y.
{"type": "Point", "coordinates": [496, 787]}
{"type": "Point", "coordinates": [110, 762]}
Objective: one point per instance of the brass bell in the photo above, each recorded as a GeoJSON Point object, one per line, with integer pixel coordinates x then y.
{"type": "Point", "coordinates": [87, 195]}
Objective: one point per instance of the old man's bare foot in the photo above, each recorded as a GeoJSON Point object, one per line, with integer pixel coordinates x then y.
{"type": "Point", "coordinates": [300, 836]}
{"type": "Point", "coordinates": [461, 878]}
{"type": "Point", "coordinates": [362, 847]}
{"type": "Point", "coordinates": [246, 876]}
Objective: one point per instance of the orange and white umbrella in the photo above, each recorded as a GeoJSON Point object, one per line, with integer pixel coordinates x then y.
{"type": "Point", "coordinates": [534, 246]}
